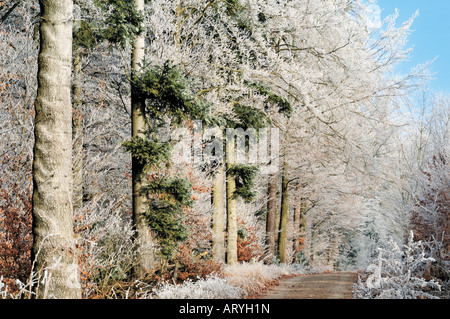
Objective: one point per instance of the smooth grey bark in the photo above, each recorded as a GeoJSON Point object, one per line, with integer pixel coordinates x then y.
{"type": "Point", "coordinates": [284, 214]}
{"type": "Point", "coordinates": [218, 220]}
{"type": "Point", "coordinates": [54, 250]}
{"type": "Point", "coordinates": [231, 203]}
{"type": "Point", "coordinates": [271, 218]}
{"type": "Point", "coordinates": [144, 241]}
{"type": "Point", "coordinates": [77, 133]}
{"type": "Point", "coordinates": [299, 221]}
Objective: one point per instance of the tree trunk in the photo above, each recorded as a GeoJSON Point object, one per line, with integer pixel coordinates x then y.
{"type": "Point", "coordinates": [218, 245]}
{"type": "Point", "coordinates": [284, 214]}
{"type": "Point", "coordinates": [271, 220]}
{"type": "Point", "coordinates": [299, 222]}
{"type": "Point", "coordinates": [144, 239]}
{"type": "Point", "coordinates": [303, 210]}
{"type": "Point", "coordinates": [231, 204]}
{"type": "Point", "coordinates": [54, 250]}
{"type": "Point", "coordinates": [297, 216]}
{"type": "Point", "coordinates": [77, 134]}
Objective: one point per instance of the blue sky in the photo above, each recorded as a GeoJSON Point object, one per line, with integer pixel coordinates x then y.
{"type": "Point", "coordinates": [431, 36]}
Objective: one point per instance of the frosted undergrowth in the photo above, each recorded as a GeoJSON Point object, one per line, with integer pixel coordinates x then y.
{"type": "Point", "coordinates": [254, 277]}
{"type": "Point", "coordinates": [396, 274]}
{"type": "Point", "coordinates": [213, 287]}
{"type": "Point", "coordinates": [19, 292]}
{"type": "Point", "coordinates": [3, 289]}
{"type": "Point", "coordinates": [237, 281]}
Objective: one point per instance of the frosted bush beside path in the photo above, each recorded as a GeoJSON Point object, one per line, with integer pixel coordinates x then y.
{"type": "Point", "coordinates": [395, 274]}
{"type": "Point", "coordinates": [238, 281]}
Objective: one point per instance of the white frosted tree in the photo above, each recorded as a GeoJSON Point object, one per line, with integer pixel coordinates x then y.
{"type": "Point", "coordinates": [336, 73]}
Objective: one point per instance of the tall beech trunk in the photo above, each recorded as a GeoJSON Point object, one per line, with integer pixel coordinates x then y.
{"type": "Point", "coordinates": [144, 239]}
{"type": "Point", "coordinates": [54, 250]}
{"type": "Point", "coordinates": [299, 222]}
{"type": "Point", "coordinates": [231, 204]}
{"type": "Point", "coordinates": [77, 133]}
{"type": "Point", "coordinates": [284, 214]}
{"type": "Point", "coordinates": [271, 218]}
{"type": "Point", "coordinates": [218, 228]}
{"type": "Point", "coordinates": [297, 216]}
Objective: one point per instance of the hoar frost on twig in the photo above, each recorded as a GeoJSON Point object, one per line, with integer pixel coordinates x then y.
{"type": "Point", "coordinates": [396, 274]}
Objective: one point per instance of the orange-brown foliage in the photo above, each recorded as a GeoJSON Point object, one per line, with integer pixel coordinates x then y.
{"type": "Point", "coordinates": [16, 239]}
{"type": "Point", "coordinates": [248, 245]}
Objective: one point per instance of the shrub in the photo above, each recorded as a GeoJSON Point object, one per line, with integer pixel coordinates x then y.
{"type": "Point", "coordinates": [15, 225]}
{"type": "Point", "coordinates": [248, 245]}
{"type": "Point", "coordinates": [254, 278]}
{"type": "Point", "coordinates": [237, 281]}
{"type": "Point", "coordinates": [397, 274]}
{"type": "Point", "coordinates": [105, 242]}
{"type": "Point", "coordinates": [212, 287]}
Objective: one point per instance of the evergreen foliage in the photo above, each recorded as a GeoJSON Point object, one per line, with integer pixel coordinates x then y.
{"type": "Point", "coordinates": [168, 94]}
{"type": "Point", "coordinates": [123, 21]}
{"type": "Point", "coordinates": [284, 106]}
{"type": "Point", "coordinates": [245, 176]}
{"type": "Point", "coordinates": [165, 214]}
{"type": "Point", "coordinates": [233, 7]}
{"type": "Point", "coordinates": [177, 189]}
{"type": "Point", "coordinates": [248, 117]}
{"type": "Point", "coordinates": [121, 25]}
{"type": "Point", "coordinates": [147, 151]}
{"type": "Point", "coordinates": [86, 35]}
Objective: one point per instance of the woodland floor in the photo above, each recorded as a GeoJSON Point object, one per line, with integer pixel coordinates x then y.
{"type": "Point", "coordinates": [333, 285]}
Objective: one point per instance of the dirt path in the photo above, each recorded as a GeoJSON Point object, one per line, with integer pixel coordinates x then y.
{"type": "Point", "coordinates": [335, 285]}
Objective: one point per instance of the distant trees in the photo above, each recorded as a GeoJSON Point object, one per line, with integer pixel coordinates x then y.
{"type": "Point", "coordinates": [210, 42]}
{"type": "Point", "coordinates": [329, 153]}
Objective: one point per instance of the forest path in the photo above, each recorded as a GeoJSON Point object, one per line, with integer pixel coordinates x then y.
{"type": "Point", "coordinates": [333, 285]}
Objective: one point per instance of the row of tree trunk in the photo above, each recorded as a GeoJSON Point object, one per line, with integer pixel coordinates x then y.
{"type": "Point", "coordinates": [277, 239]}
{"type": "Point", "coordinates": [58, 181]}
